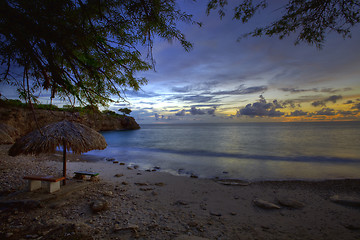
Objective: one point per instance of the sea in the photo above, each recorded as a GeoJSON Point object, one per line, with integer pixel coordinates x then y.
{"type": "Point", "coordinates": [247, 151]}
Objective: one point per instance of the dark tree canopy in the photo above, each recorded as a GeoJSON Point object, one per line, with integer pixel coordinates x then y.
{"type": "Point", "coordinates": [82, 49]}
{"type": "Point", "coordinates": [310, 20]}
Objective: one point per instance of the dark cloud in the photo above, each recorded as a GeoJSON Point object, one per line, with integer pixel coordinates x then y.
{"type": "Point", "coordinates": [181, 113]}
{"type": "Point", "coordinates": [261, 108]}
{"type": "Point", "coordinates": [297, 113]}
{"type": "Point", "coordinates": [193, 98]}
{"type": "Point", "coordinates": [347, 113]}
{"type": "Point", "coordinates": [322, 103]}
{"type": "Point", "coordinates": [325, 112]}
{"type": "Point", "coordinates": [211, 111]}
{"type": "Point", "coordinates": [318, 103]}
{"type": "Point", "coordinates": [197, 111]}
{"type": "Point", "coordinates": [159, 117]}
{"type": "Point", "coordinates": [324, 90]}
{"type": "Point", "coordinates": [242, 91]}
{"type": "Point", "coordinates": [333, 98]}
{"type": "Point", "coordinates": [185, 89]}
{"type": "Point", "coordinates": [356, 106]}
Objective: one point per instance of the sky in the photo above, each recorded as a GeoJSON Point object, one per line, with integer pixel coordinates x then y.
{"type": "Point", "coordinates": [254, 79]}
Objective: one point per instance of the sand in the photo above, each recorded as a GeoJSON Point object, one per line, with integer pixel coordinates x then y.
{"type": "Point", "coordinates": [136, 204]}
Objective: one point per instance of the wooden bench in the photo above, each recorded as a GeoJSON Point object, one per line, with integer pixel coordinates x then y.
{"type": "Point", "coordinates": [52, 183]}
{"type": "Point", "coordinates": [83, 174]}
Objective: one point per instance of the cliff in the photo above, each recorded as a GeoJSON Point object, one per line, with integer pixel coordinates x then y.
{"type": "Point", "coordinates": [22, 118]}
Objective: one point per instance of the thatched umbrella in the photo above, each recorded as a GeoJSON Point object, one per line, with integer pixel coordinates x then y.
{"type": "Point", "coordinates": [8, 134]}
{"type": "Point", "coordinates": [72, 136]}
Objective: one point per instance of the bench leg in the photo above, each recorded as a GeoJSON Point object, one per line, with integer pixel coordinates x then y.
{"type": "Point", "coordinates": [34, 185]}
{"type": "Point", "coordinates": [53, 186]}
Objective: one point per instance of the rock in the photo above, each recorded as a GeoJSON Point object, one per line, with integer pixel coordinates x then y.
{"type": "Point", "coordinates": [99, 205]}
{"type": "Point", "coordinates": [125, 183]}
{"type": "Point", "coordinates": [179, 202]}
{"type": "Point", "coordinates": [346, 200]}
{"type": "Point", "coordinates": [265, 204]}
{"type": "Point", "coordinates": [233, 182]}
{"type": "Point", "coordinates": [291, 203]}
{"type": "Point", "coordinates": [8, 235]}
{"type": "Point", "coordinates": [122, 164]}
{"type": "Point", "coordinates": [141, 184]}
{"type": "Point", "coordinates": [215, 214]}
{"type": "Point", "coordinates": [157, 168]}
{"type": "Point", "coordinates": [146, 189]}
{"type": "Point", "coordinates": [119, 175]}
{"type": "Point", "coordinates": [136, 166]}
{"type": "Point", "coordinates": [193, 176]}
{"type": "Point", "coordinates": [188, 237]}
{"type": "Point", "coordinates": [160, 184]}
{"type": "Point", "coordinates": [130, 168]}
{"type": "Point", "coordinates": [115, 161]}
{"type": "Point", "coordinates": [108, 193]}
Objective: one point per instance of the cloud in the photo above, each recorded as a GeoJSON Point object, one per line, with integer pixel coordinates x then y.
{"type": "Point", "coordinates": [181, 113]}
{"type": "Point", "coordinates": [324, 90]}
{"type": "Point", "coordinates": [297, 113]}
{"type": "Point", "coordinates": [325, 112]}
{"type": "Point", "coordinates": [333, 99]}
{"type": "Point", "coordinates": [197, 111]}
{"type": "Point", "coordinates": [242, 91]}
{"type": "Point", "coordinates": [261, 108]}
{"type": "Point", "coordinates": [211, 111]}
{"type": "Point", "coordinates": [193, 98]}
{"type": "Point", "coordinates": [356, 106]}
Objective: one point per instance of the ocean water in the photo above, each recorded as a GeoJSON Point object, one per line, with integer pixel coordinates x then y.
{"type": "Point", "coordinates": [249, 151]}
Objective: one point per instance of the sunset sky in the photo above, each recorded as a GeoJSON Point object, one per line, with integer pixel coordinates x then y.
{"type": "Point", "coordinates": [255, 79]}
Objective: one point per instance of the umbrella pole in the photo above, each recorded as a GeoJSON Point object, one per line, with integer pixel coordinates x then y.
{"type": "Point", "coordinates": [64, 162]}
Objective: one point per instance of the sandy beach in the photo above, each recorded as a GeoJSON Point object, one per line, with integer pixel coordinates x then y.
{"type": "Point", "coordinates": [128, 203]}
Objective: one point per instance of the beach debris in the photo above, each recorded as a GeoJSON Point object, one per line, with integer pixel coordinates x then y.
{"type": "Point", "coordinates": [119, 175]}
{"type": "Point", "coordinates": [99, 205]}
{"type": "Point", "coordinates": [290, 203]}
{"type": "Point", "coordinates": [233, 182]}
{"type": "Point", "coordinates": [346, 200]}
{"type": "Point", "coordinates": [265, 204]}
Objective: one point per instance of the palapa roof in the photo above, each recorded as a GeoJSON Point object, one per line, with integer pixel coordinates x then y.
{"type": "Point", "coordinates": [78, 137]}
{"type": "Point", "coordinates": [8, 134]}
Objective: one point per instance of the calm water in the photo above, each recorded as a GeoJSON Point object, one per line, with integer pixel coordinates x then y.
{"type": "Point", "coordinates": [253, 151]}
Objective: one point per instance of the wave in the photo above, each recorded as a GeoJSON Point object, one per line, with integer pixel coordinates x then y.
{"type": "Point", "coordinates": [203, 153]}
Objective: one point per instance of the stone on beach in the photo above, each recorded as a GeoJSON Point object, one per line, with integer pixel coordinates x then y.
{"type": "Point", "coordinates": [291, 203]}
{"type": "Point", "coordinates": [99, 205]}
{"type": "Point", "coordinates": [265, 204]}
{"type": "Point", "coordinates": [346, 200]}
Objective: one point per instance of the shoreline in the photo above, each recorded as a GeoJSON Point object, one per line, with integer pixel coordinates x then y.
{"type": "Point", "coordinates": [158, 205]}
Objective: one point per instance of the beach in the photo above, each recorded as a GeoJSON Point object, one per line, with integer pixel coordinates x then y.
{"type": "Point", "coordinates": [128, 203]}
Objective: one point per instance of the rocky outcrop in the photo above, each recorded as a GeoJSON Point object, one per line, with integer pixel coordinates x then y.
{"type": "Point", "coordinates": [23, 119]}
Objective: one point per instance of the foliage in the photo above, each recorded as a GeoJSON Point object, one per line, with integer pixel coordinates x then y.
{"type": "Point", "coordinates": [82, 50]}
{"type": "Point", "coordinates": [311, 20]}
{"type": "Point", "coordinates": [125, 111]}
